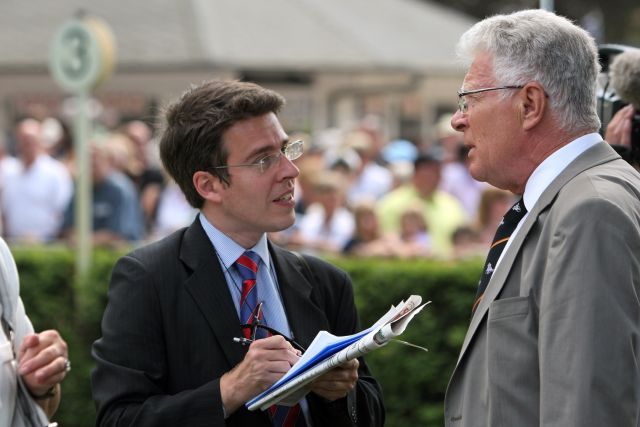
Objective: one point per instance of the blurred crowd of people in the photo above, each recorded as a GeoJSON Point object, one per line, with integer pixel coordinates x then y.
{"type": "Point", "coordinates": [357, 193]}
{"type": "Point", "coordinates": [132, 201]}
{"type": "Point", "coordinates": [360, 195]}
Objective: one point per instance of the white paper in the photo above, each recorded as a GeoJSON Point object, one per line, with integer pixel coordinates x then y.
{"type": "Point", "coordinates": [328, 351]}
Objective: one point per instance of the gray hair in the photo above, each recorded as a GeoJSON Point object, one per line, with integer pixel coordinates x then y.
{"type": "Point", "coordinates": [537, 45]}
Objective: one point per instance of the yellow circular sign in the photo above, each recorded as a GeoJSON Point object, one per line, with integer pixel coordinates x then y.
{"type": "Point", "coordinates": [83, 54]}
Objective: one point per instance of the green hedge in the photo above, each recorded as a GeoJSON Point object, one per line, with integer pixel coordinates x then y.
{"type": "Point", "coordinates": [413, 381]}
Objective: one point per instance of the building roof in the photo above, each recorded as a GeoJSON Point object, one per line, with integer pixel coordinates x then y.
{"type": "Point", "coordinates": [274, 35]}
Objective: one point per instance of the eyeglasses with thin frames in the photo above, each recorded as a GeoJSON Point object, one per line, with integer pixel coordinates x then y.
{"type": "Point", "coordinates": [463, 107]}
{"type": "Point", "coordinates": [256, 323]}
{"type": "Point", "coordinates": [292, 151]}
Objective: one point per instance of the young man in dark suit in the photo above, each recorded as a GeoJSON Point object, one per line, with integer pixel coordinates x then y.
{"type": "Point", "coordinates": [167, 355]}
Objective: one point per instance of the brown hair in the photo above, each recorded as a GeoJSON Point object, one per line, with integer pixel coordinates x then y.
{"type": "Point", "coordinates": [194, 124]}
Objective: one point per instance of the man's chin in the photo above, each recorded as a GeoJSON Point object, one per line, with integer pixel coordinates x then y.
{"type": "Point", "coordinates": [283, 225]}
{"type": "Point", "coordinates": [475, 173]}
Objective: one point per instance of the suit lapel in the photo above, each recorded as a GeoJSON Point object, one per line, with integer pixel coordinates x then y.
{"type": "Point", "coordinates": [305, 319]}
{"type": "Point", "coordinates": [596, 155]}
{"type": "Point", "coordinates": [208, 288]}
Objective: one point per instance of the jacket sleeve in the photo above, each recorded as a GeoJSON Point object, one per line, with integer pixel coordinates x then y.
{"type": "Point", "coordinates": [589, 334]}
{"type": "Point", "coordinates": [129, 380]}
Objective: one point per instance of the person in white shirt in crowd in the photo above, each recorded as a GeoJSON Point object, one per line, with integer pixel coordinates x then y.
{"type": "Point", "coordinates": [327, 224]}
{"type": "Point", "coordinates": [173, 212]}
{"type": "Point", "coordinates": [36, 193]}
{"type": "Point", "coordinates": [8, 164]}
{"type": "Point", "coordinates": [372, 181]}
{"type": "Point", "coordinates": [348, 163]}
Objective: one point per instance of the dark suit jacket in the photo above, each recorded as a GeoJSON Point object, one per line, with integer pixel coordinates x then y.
{"type": "Point", "coordinates": [556, 339]}
{"type": "Point", "coordinates": [167, 337]}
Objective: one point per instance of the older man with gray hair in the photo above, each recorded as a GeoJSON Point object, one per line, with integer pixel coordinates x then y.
{"type": "Point", "coordinates": [554, 338]}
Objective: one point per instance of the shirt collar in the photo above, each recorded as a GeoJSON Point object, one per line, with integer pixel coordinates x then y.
{"type": "Point", "coordinates": [228, 250]}
{"type": "Point", "coordinates": [553, 165]}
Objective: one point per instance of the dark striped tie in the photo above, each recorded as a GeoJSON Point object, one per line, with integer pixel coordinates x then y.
{"type": "Point", "coordinates": [247, 265]}
{"type": "Point", "coordinates": [503, 233]}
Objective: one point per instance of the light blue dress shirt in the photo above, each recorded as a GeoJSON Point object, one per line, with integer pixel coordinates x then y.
{"type": "Point", "coordinates": [267, 283]}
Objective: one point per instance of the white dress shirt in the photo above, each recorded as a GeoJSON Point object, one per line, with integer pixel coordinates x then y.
{"type": "Point", "coordinates": [549, 170]}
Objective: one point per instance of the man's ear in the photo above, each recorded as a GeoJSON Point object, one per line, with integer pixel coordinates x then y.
{"type": "Point", "coordinates": [534, 104]}
{"type": "Point", "coordinates": [207, 185]}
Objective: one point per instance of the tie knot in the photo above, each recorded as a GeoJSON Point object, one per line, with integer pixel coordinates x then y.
{"type": "Point", "coordinates": [247, 265]}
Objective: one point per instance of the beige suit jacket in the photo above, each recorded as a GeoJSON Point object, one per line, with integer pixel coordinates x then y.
{"type": "Point", "coordinates": [556, 339]}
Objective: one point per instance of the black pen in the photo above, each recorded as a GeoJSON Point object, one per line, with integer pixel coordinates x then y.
{"type": "Point", "coordinates": [243, 341]}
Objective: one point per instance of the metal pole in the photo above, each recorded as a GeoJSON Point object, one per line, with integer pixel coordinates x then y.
{"type": "Point", "coordinates": [82, 56]}
{"type": "Point", "coordinates": [547, 5]}
{"type": "Point", "coordinates": [83, 211]}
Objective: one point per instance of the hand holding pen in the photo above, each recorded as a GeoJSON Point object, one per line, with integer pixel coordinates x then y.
{"type": "Point", "coordinates": [264, 363]}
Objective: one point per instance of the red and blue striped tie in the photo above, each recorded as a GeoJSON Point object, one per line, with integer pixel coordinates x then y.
{"type": "Point", "coordinates": [247, 265]}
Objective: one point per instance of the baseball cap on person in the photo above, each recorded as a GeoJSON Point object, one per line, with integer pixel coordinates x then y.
{"type": "Point", "coordinates": [399, 150]}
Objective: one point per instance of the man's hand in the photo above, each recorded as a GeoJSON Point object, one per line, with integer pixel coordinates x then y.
{"type": "Point", "coordinates": [619, 128]}
{"type": "Point", "coordinates": [339, 381]}
{"type": "Point", "coordinates": [265, 363]}
{"type": "Point", "coordinates": [42, 361]}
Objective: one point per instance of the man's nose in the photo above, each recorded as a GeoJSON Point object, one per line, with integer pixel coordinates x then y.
{"type": "Point", "coordinates": [459, 121]}
{"type": "Point", "coordinates": [289, 167]}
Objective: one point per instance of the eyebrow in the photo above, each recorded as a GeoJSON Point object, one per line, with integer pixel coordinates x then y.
{"type": "Point", "coordinates": [265, 149]}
